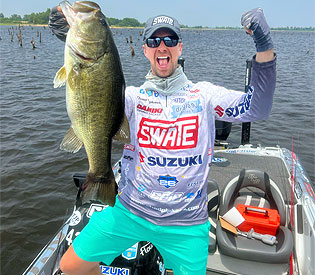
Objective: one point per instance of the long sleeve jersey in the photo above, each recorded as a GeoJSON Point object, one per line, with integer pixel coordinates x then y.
{"type": "Point", "coordinates": [165, 167]}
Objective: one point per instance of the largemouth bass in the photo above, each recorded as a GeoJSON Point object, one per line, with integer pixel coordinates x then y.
{"type": "Point", "coordinates": [94, 94]}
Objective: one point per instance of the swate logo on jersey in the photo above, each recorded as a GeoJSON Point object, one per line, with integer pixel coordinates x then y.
{"type": "Point", "coordinates": [110, 270]}
{"type": "Point", "coordinates": [175, 162]}
{"type": "Point", "coordinates": [239, 109]}
{"type": "Point", "coordinates": [150, 110]}
{"type": "Point", "coordinates": [189, 107]}
{"type": "Point", "coordinates": [167, 181]}
{"type": "Point", "coordinates": [171, 135]}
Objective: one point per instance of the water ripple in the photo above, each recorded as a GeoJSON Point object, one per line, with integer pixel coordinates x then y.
{"type": "Point", "coordinates": [36, 177]}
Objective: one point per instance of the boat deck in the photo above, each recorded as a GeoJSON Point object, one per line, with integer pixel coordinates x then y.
{"type": "Point", "coordinates": [227, 166]}
{"type": "Point", "coordinates": [223, 171]}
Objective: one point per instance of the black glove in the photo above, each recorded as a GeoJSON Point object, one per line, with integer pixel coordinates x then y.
{"type": "Point", "coordinates": [58, 23]}
{"type": "Point", "coordinates": [255, 21]}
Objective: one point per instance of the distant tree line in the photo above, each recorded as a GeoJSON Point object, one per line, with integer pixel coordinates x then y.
{"type": "Point", "coordinates": [43, 17]}
{"type": "Point", "coordinates": [33, 18]}
{"type": "Point", "coordinates": [294, 28]}
{"type": "Point", "coordinates": [125, 22]}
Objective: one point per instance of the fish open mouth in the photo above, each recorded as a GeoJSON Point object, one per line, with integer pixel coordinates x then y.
{"type": "Point", "coordinates": [81, 56]}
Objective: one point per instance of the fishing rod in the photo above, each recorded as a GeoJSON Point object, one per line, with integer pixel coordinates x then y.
{"type": "Point", "coordinates": [246, 125]}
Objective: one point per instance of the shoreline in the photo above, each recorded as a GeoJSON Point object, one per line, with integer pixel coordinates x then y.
{"type": "Point", "coordinates": [197, 29]}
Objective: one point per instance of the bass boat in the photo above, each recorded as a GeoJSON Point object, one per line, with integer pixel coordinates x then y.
{"type": "Point", "coordinates": [256, 177]}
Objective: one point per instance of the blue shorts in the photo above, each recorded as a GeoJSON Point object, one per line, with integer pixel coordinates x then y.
{"type": "Point", "coordinates": [109, 233]}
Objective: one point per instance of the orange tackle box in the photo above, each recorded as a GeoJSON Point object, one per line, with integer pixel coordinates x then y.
{"type": "Point", "coordinates": [262, 220]}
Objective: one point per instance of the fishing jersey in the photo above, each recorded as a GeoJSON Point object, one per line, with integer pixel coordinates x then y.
{"type": "Point", "coordinates": [166, 165]}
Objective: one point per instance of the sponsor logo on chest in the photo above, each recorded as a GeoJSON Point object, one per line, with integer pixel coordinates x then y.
{"type": "Point", "coordinates": [239, 109]}
{"type": "Point", "coordinates": [181, 133]}
{"type": "Point", "coordinates": [170, 197]}
{"type": "Point", "coordinates": [175, 162]}
{"type": "Point", "coordinates": [167, 181]}
{"type": "Point", "coordinates": [150, 110]}
{"type": "Point", "coordinates": [189, 107]}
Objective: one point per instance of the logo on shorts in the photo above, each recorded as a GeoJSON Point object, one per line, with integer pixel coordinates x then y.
{"type": "Point", "coordinates": [131, 252]}
{"type": "Point", "coordinates": [75, 218]}
{"type": "Point", "coordinates": [110, 270]}
{"type": "Point", "coordinates": [95, 207]}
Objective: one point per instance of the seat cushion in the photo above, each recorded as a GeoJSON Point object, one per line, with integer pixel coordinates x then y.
{"type": "Point", "coordinates": [255, 250]}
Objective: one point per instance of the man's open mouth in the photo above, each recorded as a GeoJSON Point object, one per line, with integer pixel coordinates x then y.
{"type": "Point", "coordinates": [163, 60]}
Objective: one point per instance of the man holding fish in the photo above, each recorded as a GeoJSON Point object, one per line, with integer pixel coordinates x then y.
{"type": "Point", "coordinates": [162, 194]}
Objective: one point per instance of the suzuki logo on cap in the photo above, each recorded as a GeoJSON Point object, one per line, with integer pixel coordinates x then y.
{"type": "Point", "coordinates": [163, 19]}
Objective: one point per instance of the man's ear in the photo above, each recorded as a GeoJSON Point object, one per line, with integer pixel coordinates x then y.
{"type": "Point", "coordinates": [180, 48]}
{"type": "Point", "coordinates": [144, 50]}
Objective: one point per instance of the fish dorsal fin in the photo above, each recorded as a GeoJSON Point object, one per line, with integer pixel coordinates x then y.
{"type": "Point", "coordinates": [85, 6]}
{"type": "Point", "coordinates": [60, 78]}
{"type": "Point", "coordinates": [71, 143]}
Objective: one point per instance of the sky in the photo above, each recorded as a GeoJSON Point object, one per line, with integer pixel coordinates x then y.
{"type": "Point", "coordinates": [279, 13]}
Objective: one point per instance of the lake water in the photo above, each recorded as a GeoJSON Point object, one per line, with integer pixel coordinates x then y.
{"type": "Point", "coordinates": [36, 177]}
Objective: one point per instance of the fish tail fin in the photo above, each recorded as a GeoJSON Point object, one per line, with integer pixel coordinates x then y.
{"type": "Point", "coordinates": [103, 189]}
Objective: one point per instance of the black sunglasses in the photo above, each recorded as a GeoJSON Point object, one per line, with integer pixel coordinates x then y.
{"type": "Point", "coordinates": [169, 41]}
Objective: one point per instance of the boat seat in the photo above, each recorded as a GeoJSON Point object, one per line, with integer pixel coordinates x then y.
{"type": "Point", "coordinates": [251, 249]}
{"type": "Point", "coordinates": [213, 205]}
{"type": "Point", "coordinates": [253, 200]}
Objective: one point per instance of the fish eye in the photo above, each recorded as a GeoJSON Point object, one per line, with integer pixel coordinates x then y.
{"type": "Point", "coordinates": [103, 21]}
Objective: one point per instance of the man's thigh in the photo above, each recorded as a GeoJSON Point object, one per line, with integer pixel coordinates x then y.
{"type": "Point", "coordinates": [108, 234]}
{"type": "Point", "coordinates": [185, 250]}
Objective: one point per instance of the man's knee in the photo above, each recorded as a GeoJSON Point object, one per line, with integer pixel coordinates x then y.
{"type": "Point", "coordinates": [71, 263]}
{"type": "Point", "coordinates": [66, 266]}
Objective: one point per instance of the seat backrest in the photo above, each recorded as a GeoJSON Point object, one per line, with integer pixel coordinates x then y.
{"type": "Point", "coordinates": [257, 179]}
{"type": "Point", "coordinates": [213, 196]}
{"type": "Point", "coordinates": [213, 204]}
